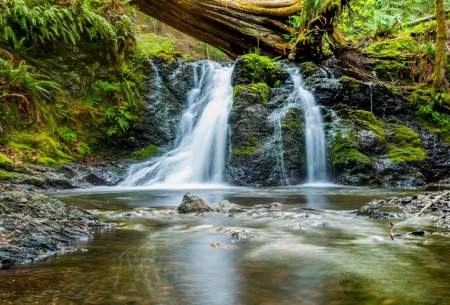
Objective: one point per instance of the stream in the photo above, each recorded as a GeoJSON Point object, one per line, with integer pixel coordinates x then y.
{"type": "Point", "coordinates": [309, 250]}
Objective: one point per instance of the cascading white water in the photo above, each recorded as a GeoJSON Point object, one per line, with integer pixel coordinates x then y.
{"type": "Point", "coordinates": [314, 130]}
{"type": "Point", "coordinates": [200, 147]}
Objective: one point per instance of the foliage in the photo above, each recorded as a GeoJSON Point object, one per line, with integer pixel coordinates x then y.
{"type": "Point", "coordinates": [24, 94]}
{"type": "Point", "coordinates": [153, 45]}
{"type": "Point", "coordinates": [145, 152]}
{"type": "Point", "coordinates": [381, 17]}
{"type": "Point", "coordinates": [437, 122]}
{"type": "Point", "coordinates": [23, 26]}
{"type": "Point", "coordinates": [87, 49]}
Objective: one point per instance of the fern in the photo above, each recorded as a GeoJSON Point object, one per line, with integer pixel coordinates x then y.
{"type": "Point", "coordinates": [23, 93]}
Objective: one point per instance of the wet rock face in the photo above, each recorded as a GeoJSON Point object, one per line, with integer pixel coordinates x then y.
{"type": "Point", "coordinates": [249, 131]}
{"type": "Point", "coordinates": [34, 226]}
{"type": "Point", "coordinates": [257, 155]}
{"type": "Point", "coordinates": [193, 204]}
{"type": "Point", "coordinates": [372, 135]}
{"type": "Point", "coordinates": [164, 103]}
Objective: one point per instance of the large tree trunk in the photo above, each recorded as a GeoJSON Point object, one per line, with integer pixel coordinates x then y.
{"type": "Point", "coordinates": [441, 47]}
{"type": "Point", "coordinates": [237, 26]}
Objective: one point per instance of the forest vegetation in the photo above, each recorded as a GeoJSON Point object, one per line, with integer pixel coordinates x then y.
{"type": "Point", "coordinates": [73, 71]}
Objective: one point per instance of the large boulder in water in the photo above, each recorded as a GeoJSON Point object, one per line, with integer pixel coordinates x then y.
{"type": "Point", "coordinates": [193, 204]}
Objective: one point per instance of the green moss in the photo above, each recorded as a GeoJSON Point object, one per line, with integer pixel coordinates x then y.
{"type": "Point", "coordinates": [403, 135]}
{"type": "Point", "coordinates": [344, 150]}
{"type": "Point", "coordinates": [262, 69]}
{"type": "Point", "coordinates": [243, 151]}
{"type": "Point", "coordinates": [5, 175]}
{"type": "Point", "coordinates": [369, 121]}
{"type": "Point", "coordinates": [146, 152]}
{"type": "Point", "coordinates": [259, 88]}
{"type": "Point", "coordinates": [308, 68]}
{"type": "Point", "coordinates": [5, 162]}
{"type": "Point", "coordinates": [406, 154]}
{"type": "Point", "coordinates": [351, 156]}
{"type": "Point", "coordinates": [38, 147]}
{"type": "Point", "coordinates": [263, 88]}
{"type": "Point", "coordinates": [46, 161]}
{"type": "Point", "coordinates": [351, 83]}
{"type": "Point", "coordinates": [399, 46]}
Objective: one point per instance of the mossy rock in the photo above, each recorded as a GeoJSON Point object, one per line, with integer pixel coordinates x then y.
{"type": "Point", "coordinates": [5, 162]}
{"type": "Point", "coordinates": [146, 152]}
{"type": "Point", "coordinates": [255, 68]}
{"type": "Point", "coordinates": [368, 120]}
{"type": "Point", "coordinates": [255, 88]}
{"type": "Point", "coordinates": [344, 150]}
{"type": "Point", "coordinates": [351, 83]}
{"type": "Point", "coordinates": [240, 152]}
{"type": "Point", "coordinates": [402, 154]}
{"type": "Point", "coordinates": [308, 68]}
{"type": "Point", "coordinates": [403, 135]}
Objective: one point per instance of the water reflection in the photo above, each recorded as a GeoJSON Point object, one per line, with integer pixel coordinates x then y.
{"type": "Point", "coordinates": [311, 250]}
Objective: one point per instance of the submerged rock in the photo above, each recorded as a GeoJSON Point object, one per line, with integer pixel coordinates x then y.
{"type": "Point", "coordinates": [227, 207]}
{"type": "Point", "coordinates": [34, 226]}
{"type": "Point", "coordinates": [193, 204]}
{"type": "Point", "coordinates": [412, 205]}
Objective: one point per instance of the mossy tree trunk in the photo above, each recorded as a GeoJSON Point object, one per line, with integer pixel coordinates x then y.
{"type": "Point", "coordinates": [237, 26]}
{"type": "Point", "coordinates": [441, 47]}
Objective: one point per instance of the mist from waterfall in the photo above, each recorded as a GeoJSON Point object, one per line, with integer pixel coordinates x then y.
{"type": "Point", "coordinates": [200, 146]}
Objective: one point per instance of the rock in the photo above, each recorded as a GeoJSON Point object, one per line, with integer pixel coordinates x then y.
{"type": "Point", "coordinates": [193, 204]}
{"type": "Point", "coordinates": [34, 226]}
{"type": "Point", "coordinates": [253, 68]}
{"type": "Point", "coordinates": [274, 205]}
{"type": "Point", "coordinates": [227, 207]}
{"type": "Point", "coordinates": [260, 144]}
{"type": "Point", "coordinates": [411, 205]}
{"type": "Point", "coordinates": [418, 233]}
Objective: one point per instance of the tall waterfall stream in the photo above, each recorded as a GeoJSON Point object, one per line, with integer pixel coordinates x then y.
{"type": "Point", "coordinates": [199, 153]}
{"type": "Point", "coordinates": [200, 147]}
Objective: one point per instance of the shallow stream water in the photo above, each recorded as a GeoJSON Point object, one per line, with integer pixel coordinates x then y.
{"type": "Point", "coordinates": [310, 250]}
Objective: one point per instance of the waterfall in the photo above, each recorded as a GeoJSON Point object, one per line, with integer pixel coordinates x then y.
{"type": "Point", "coordinates": [314, 129]}
{"type": "Point", "coordinates": [200, 147]}
{"type": "Point", "coordinates": [155, 94]}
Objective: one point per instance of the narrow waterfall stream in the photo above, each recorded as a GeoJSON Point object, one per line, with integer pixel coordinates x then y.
{"type": "Point", "coordinates": [314, 130]}
{"type": "Point", "coordinates": [200, 147]}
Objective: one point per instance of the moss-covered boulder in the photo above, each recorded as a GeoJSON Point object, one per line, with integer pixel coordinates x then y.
{"type": "Point", "coordinates": [266, 141]}
{"type": "Point", "coordinates": [365, 150]}
{"type": "Point", "coordinates": [250, 129]}
{"type": "Point", "coordinates": [255, 68]}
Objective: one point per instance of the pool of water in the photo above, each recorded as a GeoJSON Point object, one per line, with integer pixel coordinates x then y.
{"type": "Point", "coordinates": [311, 250]}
